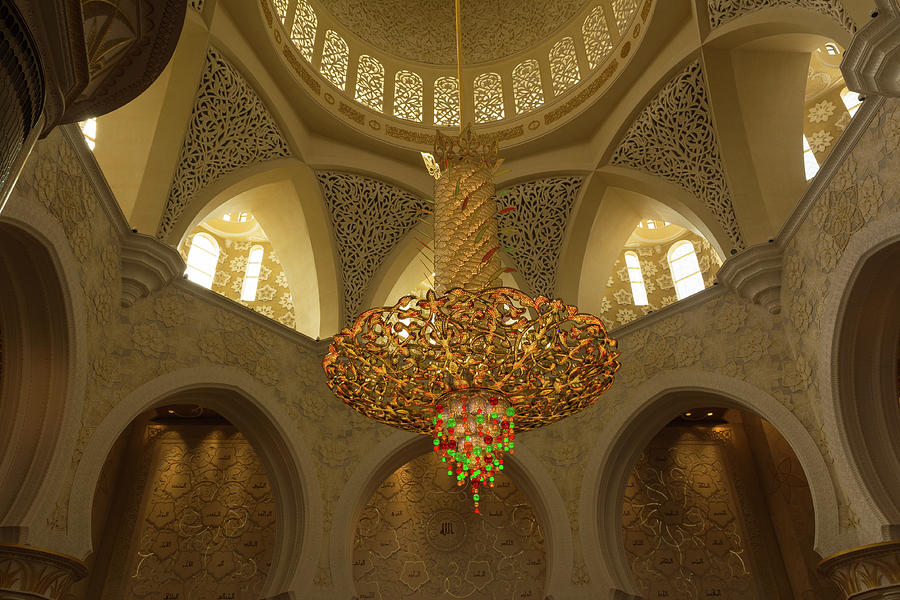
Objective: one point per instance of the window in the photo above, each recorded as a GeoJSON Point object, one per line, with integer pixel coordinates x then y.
{"type": "Point", "coordinates": [335, 56]}
{"type": "Point", "coordinates": [597, 43]}
{"type": "Point", "coordinates": [281, 7]}
{"type": "Point", "coordinates": [408, 96]}
{"type": "Point", "coordinates": [527, 89]}
{"type": "Point", "coordinates": [810, 164]}
{"type": "Point", "coordinates": [563, 66]}
{"type": "Point", "coordinates": [238, 217]}
{"type": "Point", "coordinates": [446, 101]}
{"type": "Point", "coordinates": [370, 83]}
{"type": "Point", "coordinates": [251, 275]}
{"type": "Point", "coordinates": [303, 32]}
{"type": "Point", "coordinates": [89, 131]}
{"type": "Point", "coordinates": [623, 10]}
{"type": "Point", "coordinates": [488, 98]}
{"type": "Point", "coordinates": [851, 101]}
{"type": "Point", "coordinates": [202, 259]}
{"type": "Point", "coordinates": [685, 269]}
{"type": "Point", "coordinates": [638, 291]}
{"type": "Point", "coordinates": [832, 49]}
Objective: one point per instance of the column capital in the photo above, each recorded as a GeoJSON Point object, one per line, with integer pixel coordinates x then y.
{"type": "Point", "coordinates": [871, 571]}
{"type": "Point", "coordinates": [31, 572]}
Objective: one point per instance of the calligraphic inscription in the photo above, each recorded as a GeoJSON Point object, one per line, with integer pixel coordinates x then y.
{"type": "Point", "coordinates": [419, 539]}
{"type": "Point", "coordinates": [683, 535]}
{"type": "Point", "coordinates": [206, 527]}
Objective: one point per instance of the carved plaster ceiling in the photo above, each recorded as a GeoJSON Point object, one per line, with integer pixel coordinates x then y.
{"type": "Point", "coordinates": [674, 138]}
{"type": "Point", "coordinates": [535, 229]}
{"type": "Point", "coordinates": [723, 11]}
{"type": "Point", "coordinates": [369, 217]}
{"type": "Point", "coordinates": [230, 128]}
{"type": "Point", "coordinates": [423, 30]}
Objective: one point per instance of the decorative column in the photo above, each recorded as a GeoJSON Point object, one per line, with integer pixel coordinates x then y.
{"type": "Point", "coordinates": [21, 95]}
{"type": "Point", "coordinates": [29, 573]}
{"type": "Point", "coordinates": [866, 573]}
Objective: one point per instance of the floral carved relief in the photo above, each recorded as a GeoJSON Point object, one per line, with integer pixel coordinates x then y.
{"type": "Point", "coordinates": [369, 218]}
{"type": "Point", "coordinates": [723, 11]}
{"type": "Point", "coordinates": [230, 128]}
{"type": "Point", "coordinates": [674, 138]}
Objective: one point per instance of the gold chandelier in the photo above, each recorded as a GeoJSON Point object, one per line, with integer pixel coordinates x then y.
{"type": "Point", "coordinates": [471, 364]}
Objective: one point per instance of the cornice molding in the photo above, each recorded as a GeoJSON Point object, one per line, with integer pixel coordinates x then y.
{"type": "Point", "coordinates": [871, 64]}
{"type": "Point", "coordinates": [148, 265]}
{"type": "Point", "coordinates": [871, 571]}
{"type": "Point", "coordinates": [32, 572]}
{"type": "Point", "coordinates": [755, 275]}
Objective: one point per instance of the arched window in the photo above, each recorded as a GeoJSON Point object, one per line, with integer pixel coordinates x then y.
{"type": "Point", "coordinates": [810, 164]}
{"type": "Point", "coordinates": [446, 101]}
{"type": "Point", "coordinates": [636, 277]}
{"type": "Point", "coordinates": [563, 66]}
{"type": "Point", "coordinates": [408, 96]}
{"type": "Point", "coordinates": [370, 83]}
{"type": "Point", "coordinates": [335, 56]}
{"type": "Point", "coordinates": [527, 89]}
{"type": "Point", "coordinates": [623, 10]}
{"type": "Point", "coordinates": [597, 43]}
{"type": "Point", "coordinates": [251, 274]}
{"type": "Point", "coordinates": [851, 101]}
{"type": "Point", "coordinates": [281, 7]}
{"type": "Point", "coordinates": [488, 98]}
{"type": "Point", "coordinates": [89, 131]}
{"type": "Point", "coordinates": [202, 259]}
{"type": "Point", "coordinates": [685, 269]}
{"type": "Point", "coordinates": [832, 49]}
{"type": "Point", "coordinates": [303, 32]}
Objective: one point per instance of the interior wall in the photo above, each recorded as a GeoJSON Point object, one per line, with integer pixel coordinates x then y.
{"type": "Point", "coordinates": [192, 516]}
{"type": "Point", "coordinates": [721, 508]}
{"type": "Point", "coordinates": [419, 539]}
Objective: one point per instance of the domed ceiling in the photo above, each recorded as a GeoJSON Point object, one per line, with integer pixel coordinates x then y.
{"type": "Point", "coordinates": [424, 30]}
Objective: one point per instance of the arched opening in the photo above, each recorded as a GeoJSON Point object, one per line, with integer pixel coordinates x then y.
{"type": "Point", "coordinates": [35, 355]}
{"type": "Point", "coordinates": [864, 367]}
{"type": "Point", "coordinates": [231, 254]}
{"type": "Point", "coordinates": [660, 263]}
{"type": "Point", "coordinates": [183, 506]}
{"type": "Point", "coordinates": [418, 537]}
{"type": "Point", "coordinates": [717, 505]}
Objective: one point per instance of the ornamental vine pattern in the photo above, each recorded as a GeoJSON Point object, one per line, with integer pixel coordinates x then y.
{"type": "Point", "coordinates": [230, 128]}
{"type": "Point", "coordinates": [446, 101]}
{"type": "Point", "coordinates": [723, 11]}
{"type": "Point", "coordinates": [488, 98]}
{"type": "Point", "coordinates": [535, 229]}
{"type": "Point", "coordinates": [564, 65]}
{"type": "Point", "coordinates": [335, 56]}
{"type": "Point", "coordinates": [674, 138]}
{"type": "Point", "coordinates": [408, 96]}
{"type": "Point", "coordinates": [597, 42]}
{"type": "Point", "coordinates": [623, 10]}
{"type": "Point", "coordinates": [370, 83]}
{"type": "Point", "coordinates": [527, 90]}
{"type": "Point", "coordinates": [369, 217]}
